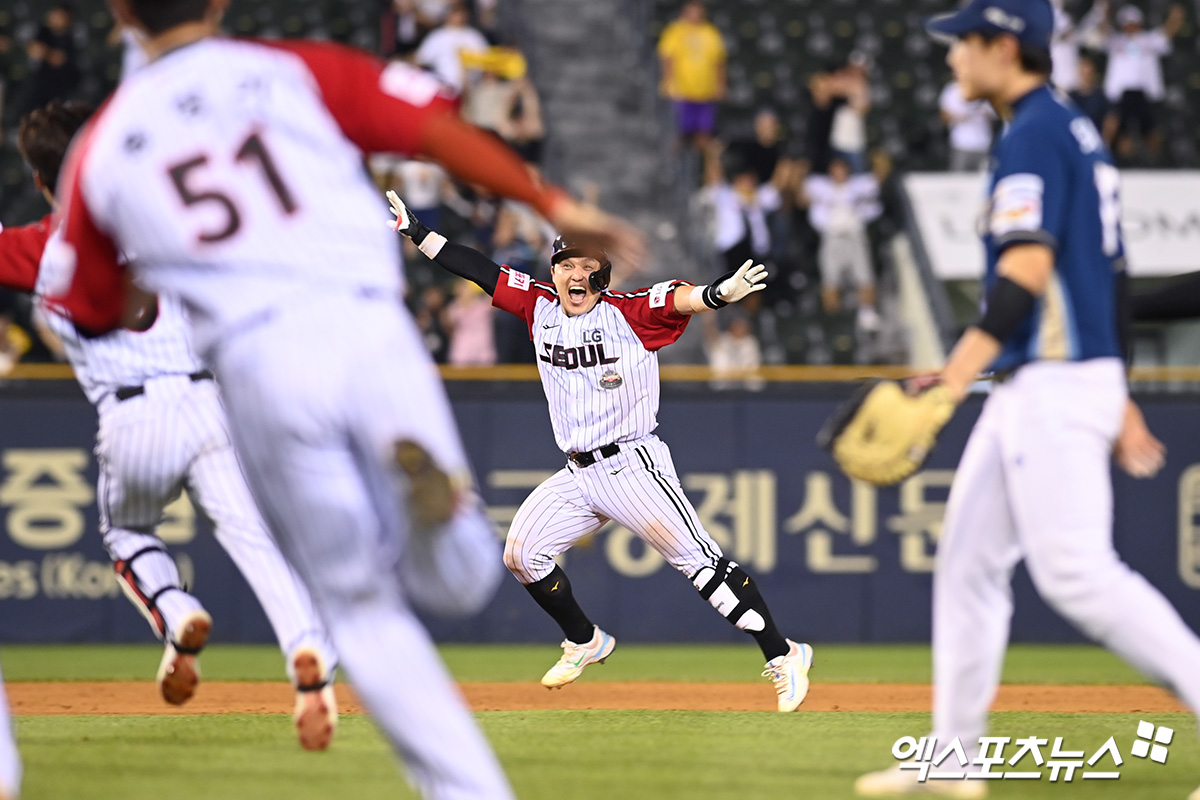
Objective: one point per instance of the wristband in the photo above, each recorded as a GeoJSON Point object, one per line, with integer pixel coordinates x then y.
{"type": "Point", "coordinates": [431, 244]}
{"type": "Point", "coordinates": [1008, 305]}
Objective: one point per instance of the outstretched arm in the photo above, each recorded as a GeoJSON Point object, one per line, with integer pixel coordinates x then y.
{"type": "Point", "coordinates": [462, 261]}
{"type": "Point", "coordinates": [729, 288]}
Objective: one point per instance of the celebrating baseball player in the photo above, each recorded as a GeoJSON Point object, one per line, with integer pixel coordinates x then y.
{"type": "Point", "coordinates": [162, 427]}
{"type": "Point", "coordinates": [231, 171]}
{"type": "Point", "coordinates": [598, 357]}
{"type": "Point", "coordinates": [1034, 479]}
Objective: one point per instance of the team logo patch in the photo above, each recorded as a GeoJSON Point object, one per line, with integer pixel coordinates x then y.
{"type": "Point", "coordinates": [1017, 204]}
{"type": "Point", "coordinates": [519, 280]}
{"type": "Point", "coordinates": [611, 379]}
{"type": "Point", "coordinates": [658, 294]}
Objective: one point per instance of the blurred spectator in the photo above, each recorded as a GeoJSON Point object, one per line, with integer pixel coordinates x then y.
{"type": "Point", "coordinates": [764, 150]}
{"type": "Point", "coordinates": [839, 207]}
{"type": "Point", "coordinates": [400, 30]}
{"type": "Point", "coordinates": [848, 128]}
{"type": "Point", "coordinates": [1068, 36]}
{"type": "Point", "coordinates": [442, 50]}
{"type": "Point", "coordinates": [1134, 81]}
{"type": "Point", "coordinates": [53, 61]}
{"type": "Point", "coordinates": [822, 105]}
{"type": "Point", "coordinates": [505, 101]}
{"type": "Point", "coordinates": [6, 56]}
{"type": "Point", "coordinates": [1091, 99]}
{"type": "Point", "coordinates": [738, 207]}
{"type": "Point", "coordinates": [428, 312]}
{"type": "Point", "coordinates": [421, 184]}
{"type": "Point", "coordinates": [432, 13]}
{"type": "Point", "coordinates": [693, 72]}
{"type": "Point", "coordinates": [733, 354]}
{"type": "Point", "coordinates": [468, 318]}
{"type": "Point", "coordinates": [970, 127]}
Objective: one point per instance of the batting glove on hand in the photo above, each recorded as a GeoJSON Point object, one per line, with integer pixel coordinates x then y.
{"type": "Point", "coordinates": [749, 278]}
{"type": "Point", "coordinates": [405, 222]}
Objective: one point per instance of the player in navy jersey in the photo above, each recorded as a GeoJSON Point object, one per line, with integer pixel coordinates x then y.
{"type": "Point", "coordinates": [598, 357]}
{"type": "Point", "coordinates": [1034, 481]}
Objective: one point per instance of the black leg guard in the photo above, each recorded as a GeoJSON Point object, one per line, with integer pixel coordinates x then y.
{"type": "Point", "coordinates": [147, 605]}
{"type": "Point", "coordinates": [553, 594]}
{"type": "Point", "coordinates": [733, 593]}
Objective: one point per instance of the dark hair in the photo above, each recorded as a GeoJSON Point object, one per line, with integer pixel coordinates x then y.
{"type": "Point", "coordinates": [46, 133]}
{"type": "Point", "coordinates": [157, 16]}
{"type": "Point", "coordinates": [1034, 60]}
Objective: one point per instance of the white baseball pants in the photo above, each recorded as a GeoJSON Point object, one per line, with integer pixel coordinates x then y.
{"type": "Point", "coordinates": [1034, 483]}
{"type": "Point", "coordinates": [316, 411]}
{"type": "Point", "coordinates": [638, 487]}
{"type": "Point", "coordinates": [152, 445]}
{"type": "Point", "coordinates": [10, 762]}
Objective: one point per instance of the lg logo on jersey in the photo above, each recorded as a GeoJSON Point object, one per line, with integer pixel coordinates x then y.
{"type": "Point", "coordinates": [589, 355]}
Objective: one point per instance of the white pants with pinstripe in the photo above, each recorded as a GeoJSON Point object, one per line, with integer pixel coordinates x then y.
{"type": "Point", "coordinates": [316, 411]}
{"type": "Point", "coordinates": [10, 762]}
{"type": "Point", "coordinates": [638, 487]}
{"type": "Point", "coordinates": [149, 448]}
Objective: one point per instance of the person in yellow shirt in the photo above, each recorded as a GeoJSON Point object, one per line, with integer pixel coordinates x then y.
{"type": "Point", "coordinates": [693, 72]}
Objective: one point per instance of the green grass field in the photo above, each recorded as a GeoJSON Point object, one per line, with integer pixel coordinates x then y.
{"type": "Point", "coordinates": [628, 755]}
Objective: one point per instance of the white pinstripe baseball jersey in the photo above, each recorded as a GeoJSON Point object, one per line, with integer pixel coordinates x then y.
{"type": "Point", "coordinates": [599, 369]}
{"type": "Point", "coordinates": [122, 358]}
{"type": "Point", "coordinates": [225, 160]}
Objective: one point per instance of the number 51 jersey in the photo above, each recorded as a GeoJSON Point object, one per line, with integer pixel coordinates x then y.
{"type": "Point", "coordinates": [242, 161]}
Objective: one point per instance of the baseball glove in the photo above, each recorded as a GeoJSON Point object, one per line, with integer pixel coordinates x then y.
{"type": "Point", "coordinates": [883, 434]}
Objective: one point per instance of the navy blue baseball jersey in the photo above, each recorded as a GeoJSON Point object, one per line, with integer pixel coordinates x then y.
{"type": "Point", "coordinates": [1053, 182]}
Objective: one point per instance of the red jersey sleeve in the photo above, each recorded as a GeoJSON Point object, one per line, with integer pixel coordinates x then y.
{"type": "Point", "coordinates": [95, 299]}
{"type": "Point", "coordinates": [21, 254]}
{"type": "Point", "coordinates": [651, 313]}
{"type": "Point", "coordinates": [518, 293]}
{"type": "Point", "coordinates": [398, 108]}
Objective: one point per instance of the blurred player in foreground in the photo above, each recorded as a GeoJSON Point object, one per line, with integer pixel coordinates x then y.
{"type": "Point", "coordinates": [598, 358]}
{"type": "Point", "coordinates": [1034, 481]}
{"type": "Point", "coordinates": [231, 173]}
{"type": "Point", "coordinates": [162, 427]}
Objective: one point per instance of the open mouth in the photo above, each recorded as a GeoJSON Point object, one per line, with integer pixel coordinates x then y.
{"type": "Point", "coordinates": [577, 292]}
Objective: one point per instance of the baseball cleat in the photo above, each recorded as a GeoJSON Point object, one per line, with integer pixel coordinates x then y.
{"type": "Point", "coordinates": [431, 492]}
{"type": "Point", "coordinates": [316, 713]}
{"type": "Point", "coordinates": [577, 656]}
{"type": "Point", "coordinates": [896, 782]}
{"type": "Point", "coordinates": [789, 673]}
{"type": "Point", "coordinates": [179, 671]}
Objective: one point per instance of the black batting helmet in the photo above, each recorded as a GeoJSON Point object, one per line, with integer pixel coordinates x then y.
{"type": "Point", "coordinates": [564, 249]}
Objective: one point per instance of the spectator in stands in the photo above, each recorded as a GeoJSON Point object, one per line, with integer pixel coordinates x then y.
{"type": "Point", "coordinates": [823, 104]}
{"type": "Point", "coordinates": [738, 206]}
{"type": "Point", "coordinates": [428, 312]}
{"type": "Point", "coordinates": [1068, 36]}
{"type": "Point", "coordinates": [506, 102]}
{"type": "Point", "coordinates": [848, 129]}
{"type": "Point", "coordinates": [1134, 81]}
{"type": "Point", "coordinates": [468, 318]}
{"type": "Point", "coordinates": [969, 123]}
{"type": "Point", "coordinates": [442, 50]}
{"type": "Point", "coordinates": [764, 149]}
{"type": "Point", "coordinates": [840, 206]}
{"type": "Point", "coordinates": [1092, 101]}
{"type": "Point", "coordinates": [53, 60]}
{"type": "Point", "coordinates": [693, 72]}
{"type": "Point", "coordinates": [734, 354]}
{"type": "Point", "coordinates": [422, 185]}
{"type": "Point", "coordinates": [400, 30]}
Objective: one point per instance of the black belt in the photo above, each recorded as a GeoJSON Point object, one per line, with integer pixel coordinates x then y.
{"type": "Point", "coordinates": [589, 457]}
{"type": "Point", "coordinates": [126, 392]}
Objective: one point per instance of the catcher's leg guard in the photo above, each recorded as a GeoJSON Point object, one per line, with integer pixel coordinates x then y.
{"type": "Point", "coordinates": [733, 593]}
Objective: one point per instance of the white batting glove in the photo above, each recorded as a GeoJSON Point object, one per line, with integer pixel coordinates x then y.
{"type": "Point", "coordinates": [749, 278]}
{"type": "Point", "coordinates": [404, 219]}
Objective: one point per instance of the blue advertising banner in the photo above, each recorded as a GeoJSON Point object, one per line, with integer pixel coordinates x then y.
{"type": "Point", "coordinates": [836, 561]}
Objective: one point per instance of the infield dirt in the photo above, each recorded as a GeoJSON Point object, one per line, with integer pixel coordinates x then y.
{"type": "Point", "coordinates": [141, 697]}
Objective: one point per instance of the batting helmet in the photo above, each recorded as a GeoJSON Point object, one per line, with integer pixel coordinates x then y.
{"type": "Point", "coordinates": [564, 249]}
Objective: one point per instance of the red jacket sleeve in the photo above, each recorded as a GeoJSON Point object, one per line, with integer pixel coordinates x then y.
{"type": "Point", "coordinates": [398, 108]}
{"type": "Point", "coordinates": [652, 315]}
{"type": "Point", "coordinates": [517, 293]}
{"type": "Point", "coordinates": [95, 299]}
{"type": "Point", "coordinates": [21, 254]}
